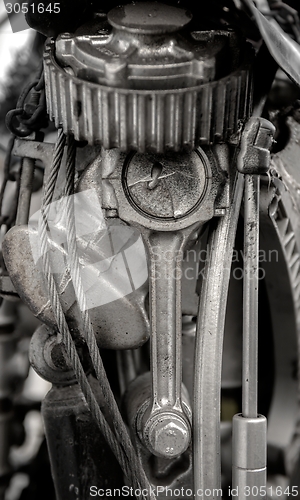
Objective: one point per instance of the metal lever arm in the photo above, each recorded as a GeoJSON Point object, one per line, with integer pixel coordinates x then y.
{"type": "Point", "coordinates": [167, 428]}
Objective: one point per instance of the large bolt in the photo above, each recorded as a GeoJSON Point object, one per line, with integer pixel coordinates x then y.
{"type": "Point", "coordinates": [168, 435]}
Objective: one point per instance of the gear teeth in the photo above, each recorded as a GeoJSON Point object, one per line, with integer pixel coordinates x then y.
{"type": "Point", "coordinates": [142, 120]}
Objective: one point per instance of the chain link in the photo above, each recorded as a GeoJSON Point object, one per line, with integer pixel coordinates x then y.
{"type": "Point", "coordinates": [30, 114]}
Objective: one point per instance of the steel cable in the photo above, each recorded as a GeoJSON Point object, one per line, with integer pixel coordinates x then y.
{"type": "Point", "coordinates": [121, 443]}
{"type": "Point", "coordinates": [135, 468]}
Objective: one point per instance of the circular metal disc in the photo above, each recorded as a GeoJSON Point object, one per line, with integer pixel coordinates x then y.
{"type": "Point", "coordinates": [166, 186]}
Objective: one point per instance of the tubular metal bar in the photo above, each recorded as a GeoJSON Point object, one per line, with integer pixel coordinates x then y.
{"type": "Point", "coordinates": [126, 368]}
{"type": "Point", "coordinates": [28, 166]}
{"type": "Point", "coordinates": [208, 350]}
{"type": "Point", "coordinates": [249, 444]}
{"type": "Point", "coordinates": [250, 296]}
{"type": "Point", "coordinates": [249, 457]}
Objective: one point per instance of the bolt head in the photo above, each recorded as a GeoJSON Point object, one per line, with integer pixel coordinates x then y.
{"type": "Point", "coordinates": [169, 436]}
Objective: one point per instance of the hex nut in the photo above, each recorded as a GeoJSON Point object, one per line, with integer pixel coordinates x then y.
{"type": "Point", "coordinates": [168, 435]}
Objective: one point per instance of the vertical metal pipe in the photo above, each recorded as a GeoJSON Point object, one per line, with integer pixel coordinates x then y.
{"type": "Point", "coordinates": [250, 306]}
{"type": "Point", "coordinates": [249, 430]}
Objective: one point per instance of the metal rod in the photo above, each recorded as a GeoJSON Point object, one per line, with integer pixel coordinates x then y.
{"type": "Point", "coordinates": [249, 430]}
{"type": "Point", "coordinates": [250, 299]}
{"type": "Point", "coordinates": [126, 368]}
{"type": "Point", "coordinates": [28, 166]}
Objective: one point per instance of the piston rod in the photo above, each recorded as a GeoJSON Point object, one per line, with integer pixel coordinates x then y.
{"type": "Point", "coordinates": [250, 296]}
{"type": "Point", "coordinates": [249, 430]}
{"type": "Point", "coordinates": [167, 428]}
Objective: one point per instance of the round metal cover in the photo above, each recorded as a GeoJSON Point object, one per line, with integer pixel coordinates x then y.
{"type": "Point", "coordinates": [157, 187]}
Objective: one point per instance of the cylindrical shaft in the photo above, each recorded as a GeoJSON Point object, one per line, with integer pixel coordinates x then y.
{"type": "Point", "coordinates": [250, 307]}
{"type": "Point", "coordinates": [249, 457]}
{"type": "Point", "coordinates": [249, 443]}
{"type": "Point", "coordinates": [25, 191]}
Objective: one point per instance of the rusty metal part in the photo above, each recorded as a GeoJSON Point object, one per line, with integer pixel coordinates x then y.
{"type": "Point", "coordinates": [125, 188]}
{"type": "Point", "coordinates": [168, 435]}
{"type": "Point", "coordinates": [166, 409]}
{"type": "Point", "coordinates": [173, 472]}
{"type": "Point", "coordinates": [249, 430]}
{"type": "Point", "coordinates": [35, 150]}
{"type": "Point", "coordinates": [250, 296]}
{"type": "Point", "coordinates": [28, 166]}
{"type": "Point", "coordinates": [30, 113]}
{"type": "Point", "coordinates": [48, 358]}
{"type": "Point", "coordinates": [251, 463]}
{"type": "Point", "coordinates": [149, 88]}
{"type": "Point", "coordinates": [254, 158]}
{"type": "Point", "coordinates": [155, 185]}
{"type": "Point", "coordinates": [254, 150]}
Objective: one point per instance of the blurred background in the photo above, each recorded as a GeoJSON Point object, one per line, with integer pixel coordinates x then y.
{"type": "Point", "coordinates": [26, 475]}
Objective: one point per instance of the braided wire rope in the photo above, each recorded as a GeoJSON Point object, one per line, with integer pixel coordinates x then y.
{"type": "Point", "coordinates": [138, 475]}
{"type": "Point", "coordinates": [120, 443]}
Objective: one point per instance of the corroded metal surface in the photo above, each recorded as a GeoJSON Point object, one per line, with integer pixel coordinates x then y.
{"type": "Point", "coordinates": [135, 89]}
